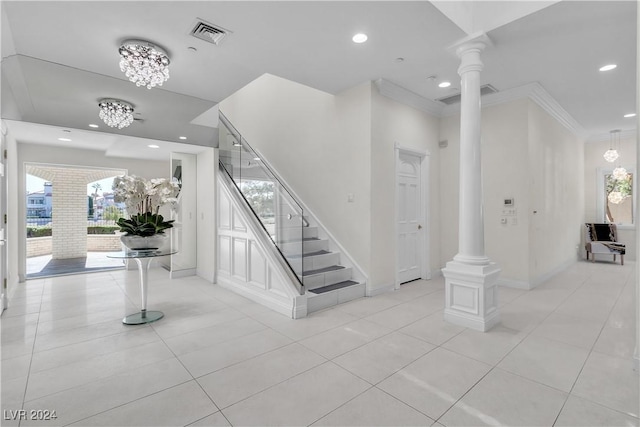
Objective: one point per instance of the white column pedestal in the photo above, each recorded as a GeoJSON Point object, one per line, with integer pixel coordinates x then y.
{"type": "Point", "coordinates": [471, 295]}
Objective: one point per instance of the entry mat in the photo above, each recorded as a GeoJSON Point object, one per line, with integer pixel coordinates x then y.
{"type": "Point", "coordinates": [57, 267]}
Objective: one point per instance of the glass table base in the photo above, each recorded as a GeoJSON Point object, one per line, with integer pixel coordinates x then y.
{"type": "Point", "coordinates": [143, 317]}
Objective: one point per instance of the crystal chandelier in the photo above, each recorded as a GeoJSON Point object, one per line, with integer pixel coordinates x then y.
{"type": "Point", "coordinates": [619, 173]}
{"type": "Point", "coordinates": [611, 155]}
{"type": "Point", "coordinates": [144, 63]}
{"type": "Point", "coordinates": [116, 113]}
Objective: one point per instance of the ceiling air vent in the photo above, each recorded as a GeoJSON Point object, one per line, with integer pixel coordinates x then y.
{"type": "Point", "coordinates": [209, 32]}
{"type": "Point", "coordinates": [454, 99]}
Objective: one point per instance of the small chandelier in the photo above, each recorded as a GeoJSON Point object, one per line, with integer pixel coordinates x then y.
{"type": "Point", "coordinates": [143, 63]}
{"type": "Point", "coordinates": [116, 113]}
{"type": "Point", "coordinates": [620, 173]}
{"type": "Point", "coordinates": [611, 155]}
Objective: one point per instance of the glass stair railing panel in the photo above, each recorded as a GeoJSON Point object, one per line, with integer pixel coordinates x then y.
{"type": "Point", "coordinates": [277, 211]}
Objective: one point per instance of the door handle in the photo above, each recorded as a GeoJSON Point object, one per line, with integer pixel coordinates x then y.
{"type": "Point", "coordinates": [419, 227]}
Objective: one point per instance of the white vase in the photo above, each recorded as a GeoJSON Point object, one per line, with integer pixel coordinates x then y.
{"type": "Point", "coordinates": [139, 243]}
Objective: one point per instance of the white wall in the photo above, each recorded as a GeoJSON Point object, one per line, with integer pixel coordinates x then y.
{"type": "Point", "coordinates": [556, 159]}
{"type": "Point", "coordinates": [593, 161]}
{"type": "Point", "coordinates": [393, 122]}
{"type": "Point", "coordinates": [34, 153]}
{"type": "Point", "coordinates": [206, 221]}
{"type": "Point", "coordinates": [319, 144]}
{"type": "Point", "coordinates": [504, 174]}
{"type": "Point", "coordinates": [529, 156]}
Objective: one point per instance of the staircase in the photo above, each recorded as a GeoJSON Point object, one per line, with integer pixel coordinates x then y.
{"type": "Point", "coordinates": [326, 281]}
{"type": "Point", "coordinates": [321, 273]}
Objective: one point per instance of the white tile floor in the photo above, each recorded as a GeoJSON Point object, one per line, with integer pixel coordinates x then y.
{"type": "Point", "coordinates": [562, 356]}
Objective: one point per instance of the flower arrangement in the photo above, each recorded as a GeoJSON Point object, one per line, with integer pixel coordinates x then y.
{"type": "Point", "coordinates": [143, 199]}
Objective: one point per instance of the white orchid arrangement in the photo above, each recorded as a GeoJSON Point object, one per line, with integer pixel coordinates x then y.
{"type": "Point", "coordinates": [145, 196]}
{"type": "Point", "coordinates": [143, 199]}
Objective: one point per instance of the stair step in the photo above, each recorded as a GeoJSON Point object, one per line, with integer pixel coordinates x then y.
{"type": "Point", "coordinates": [294, 233]}
{"type": "Point", "coordinates": [297, 240]}
{"type": "Point", "coordinates": [307, 246]}
{"type": "Point", "coordinates": [325, 277]}
{"type": "Point", "coordinates": [311, 254]}
{"type": "Point", "coordinates": [322, 298]}
{"type": "Point", "coordinates": [320, 260]}
{"type": "Point", "coordinates": [333, 287]}
{"type": "Point", "coordinates": [323, 270]}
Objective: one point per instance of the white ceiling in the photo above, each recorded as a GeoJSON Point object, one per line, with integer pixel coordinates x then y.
{"type": "Point", "coordinates": [59, 58]}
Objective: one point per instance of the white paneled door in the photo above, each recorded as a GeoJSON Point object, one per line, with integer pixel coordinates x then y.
{"type": "Point", "coordinates": [409, 216]}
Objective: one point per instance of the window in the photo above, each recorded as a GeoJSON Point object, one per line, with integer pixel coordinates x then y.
{"type": "Point", "coordinates": [616, 198]}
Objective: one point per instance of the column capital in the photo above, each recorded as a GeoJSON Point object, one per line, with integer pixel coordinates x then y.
{"type": "Point", "coordinates": [476, 42]}
{"type": "Point", "coordinates": [468, 50]}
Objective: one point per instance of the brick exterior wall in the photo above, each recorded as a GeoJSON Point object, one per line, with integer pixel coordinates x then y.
{"type": "Point", "coordinates": [103, 243]}
{"type": "Point", "coordinates": [38, 246]}
{"type": "Point", "coordinates": [69, 214]}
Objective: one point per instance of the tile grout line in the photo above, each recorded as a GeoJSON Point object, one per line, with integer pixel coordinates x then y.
{"type": "Point", "coordinates": [35, 337]}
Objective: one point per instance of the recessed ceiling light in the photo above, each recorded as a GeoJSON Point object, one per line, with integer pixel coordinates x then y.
{"type": "Point", "coordinates": [360, 38]}
{"type": "Point", "coordinates": [64, 139]}
{"type": "Point", "coordinates": [256, 158]}
{"type": "Point", "coordinates": [153, 146]}
{"type": "Point", "coordinates": [444, 84]}
{"type": "Point", "coordinates": [630, 115]}
{"type": "Point", "coordinates": [91, 125]}
{"type": "Point", "coordinates": [608, 67]}
{"type": "Point", "coordinates": [182, 137]}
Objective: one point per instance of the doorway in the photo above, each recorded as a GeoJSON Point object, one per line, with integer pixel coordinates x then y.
{"type": "Point", "coordinates": [412, 231]}
{"type": "Point", "coordinates": [70, 220]}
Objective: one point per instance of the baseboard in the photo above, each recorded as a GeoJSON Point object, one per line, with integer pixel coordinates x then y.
{"type": "Point", "coordinates": [379, 290]}
{"type": "Point", "coordinates": [515, 284]}
{"type": "Point", "coordinates": [548, 275]}
{"type": "Point", "coordinates": [209, 276]}
{"type": "Point", "coordinates": [528, 285]}
{"type": "Point", "coordinates": [176, 274]}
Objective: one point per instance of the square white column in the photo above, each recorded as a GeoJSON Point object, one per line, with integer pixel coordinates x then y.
{"type": "Point", "coordinates": [471, 294]}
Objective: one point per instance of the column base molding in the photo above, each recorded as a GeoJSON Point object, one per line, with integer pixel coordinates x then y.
{"type": "Point", "coordinates": [471, 294]}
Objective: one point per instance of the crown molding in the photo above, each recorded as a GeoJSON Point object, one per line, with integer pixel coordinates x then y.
{"type": "Point", "coordinates": [405, 96]}
{"type": "Point", "coordinates": [536, 93]}
{"type": "Point", "coordinates": [533, 91]}
{"type": "Point", "coordinates": [541, 97]}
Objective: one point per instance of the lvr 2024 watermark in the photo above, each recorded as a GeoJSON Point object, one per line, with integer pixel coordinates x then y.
{"type": "Point", "coordinates": [29, 414]}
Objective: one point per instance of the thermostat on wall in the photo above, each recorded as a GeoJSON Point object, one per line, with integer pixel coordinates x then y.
{"type": "Point", "coordinates": [509, 201]}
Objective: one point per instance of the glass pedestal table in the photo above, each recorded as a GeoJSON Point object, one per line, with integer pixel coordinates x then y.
{"type": "Point", "coordinates": [143, 259]}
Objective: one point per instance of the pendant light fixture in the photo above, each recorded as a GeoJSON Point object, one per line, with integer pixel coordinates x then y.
{"type": "Point", "coordinates": [611, 155]}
